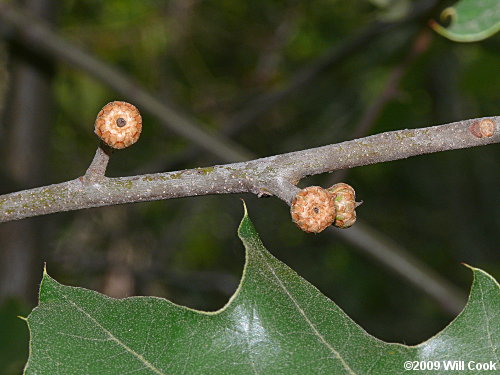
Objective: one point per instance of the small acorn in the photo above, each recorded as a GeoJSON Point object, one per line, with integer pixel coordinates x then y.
{"type": "Point", "coordinates": [313, 209]}
{"type": "Point", "coordinates": [118, 124]}
{"type": "Point", "coordinates": [344, 199]}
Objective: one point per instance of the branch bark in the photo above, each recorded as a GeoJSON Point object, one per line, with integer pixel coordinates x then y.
{"type": "Point", "coordinates": [49, 44]}
{"type": "Point", "coordinates": [274, 175]}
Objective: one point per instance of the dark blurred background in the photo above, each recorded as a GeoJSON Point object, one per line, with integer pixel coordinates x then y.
{"type": "Point", "coordinates": [273, 76]}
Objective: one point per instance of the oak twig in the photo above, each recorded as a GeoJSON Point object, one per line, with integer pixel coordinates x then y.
{"type": "Point", "coordinates": [94, 189]}
{"type": "Point", "coordinates": [273, 175]}
{"type": "Point", "coordinates": [97, 168]}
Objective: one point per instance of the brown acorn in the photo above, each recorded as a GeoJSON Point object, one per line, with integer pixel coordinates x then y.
{"type": "Point", "coordinates": [313, 209]}
{"type": "Point", "coordinates": [118, 124]}
{"type": "Point", "coordinates": [344, 199]}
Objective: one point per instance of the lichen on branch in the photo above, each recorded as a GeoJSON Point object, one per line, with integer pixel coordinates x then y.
{"type": "Point", "coordinates": [274, 175]}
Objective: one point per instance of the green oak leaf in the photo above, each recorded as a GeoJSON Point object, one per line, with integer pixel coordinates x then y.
{"type": "Point", "coordinates": [275, 323]}
{"type": "Point", "coordinates": [470, 20]}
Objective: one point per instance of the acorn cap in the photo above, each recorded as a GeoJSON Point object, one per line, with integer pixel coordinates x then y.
{"type": "Point", "coordinates": [313, 209]}
{"type": "Point", "coordinates": [344, 199]}
{"type": "Point", "coordinates": [118, 124]}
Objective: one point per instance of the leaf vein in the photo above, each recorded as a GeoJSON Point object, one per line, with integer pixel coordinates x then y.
{"type": "Point", "coordinates": [311, 324]}
{"type": "Point", "coordinates": [113, 338]}
{"type": "Point", "coordinates": [488, 329]}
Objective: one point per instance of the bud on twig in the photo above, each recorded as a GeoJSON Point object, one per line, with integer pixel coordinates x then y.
{"type": "Point", "coordinates": [483, 128]}
{"type": "Point", "coordinates": [313, 209]}
{"type": "Point", "coordinates": [344, 198]}
{"type": "Point", "coordinates": [118, 124]}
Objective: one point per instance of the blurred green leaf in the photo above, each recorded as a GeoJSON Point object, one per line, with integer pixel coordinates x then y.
{"type": "Point", "coordinates": [470, 20]}
{"type": "Point", "coordinates": [276, 323]}
{"type": "Point", "coordinates": [392, 10]}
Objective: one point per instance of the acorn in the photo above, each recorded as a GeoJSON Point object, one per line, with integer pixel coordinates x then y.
{"type": "Point", "coordinates": [344, 199]}
{"type": "Point", "coordinates": [118, 124]}
{"type": "Point", "coordinates": [313, 209]}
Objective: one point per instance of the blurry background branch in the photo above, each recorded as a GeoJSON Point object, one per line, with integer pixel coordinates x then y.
{"type": "Point", "coordinates": [330, 59]}
{"type": "Point", "coordinates": [27, 29]}
{"type": "Point", "coordinates": [418, 46]}
{"type": "Point", "coordinates": [275, 175]}
{"type": "Point", "coordinates": [257, 72]}
{"type": "Point", "coordinates": [333, 57]}
{"type": "Point", "coordinates": [29, 115]}
{"type": "Point", "coordinates": [30, 31]}
{"type": "Point", "coordinates": [397, 259]}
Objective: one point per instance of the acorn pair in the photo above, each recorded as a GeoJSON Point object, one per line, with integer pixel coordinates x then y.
{"type": "Point", "coordinates": [119, 125]}
{"type": "Point", "coordinates": [314, 208]}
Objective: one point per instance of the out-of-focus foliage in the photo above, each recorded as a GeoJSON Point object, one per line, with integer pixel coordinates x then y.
{"type": "Point", "coordinates": [210, 59]}
{"type": "Point", "coordinates": [13, 337]}
{"type": "Point", "coordinates": [392, 10]}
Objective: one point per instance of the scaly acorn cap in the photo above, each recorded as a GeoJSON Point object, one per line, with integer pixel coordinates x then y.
{"type": "Point", "coordinates": [313, 209]}
{"type": "Point", "coordinates": [118, 124]}
{"type": "Point", "coordinates": [344, 199]}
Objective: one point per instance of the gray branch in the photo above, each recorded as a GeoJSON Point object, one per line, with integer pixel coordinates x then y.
{"type": "Point", "coordinates": [274, 175]}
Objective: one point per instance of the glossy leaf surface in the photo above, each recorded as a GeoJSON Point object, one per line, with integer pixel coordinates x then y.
{"type": "Point", "coordinates": [276, 323]}
{"type": "Point", "coordinates": [470, 20]}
